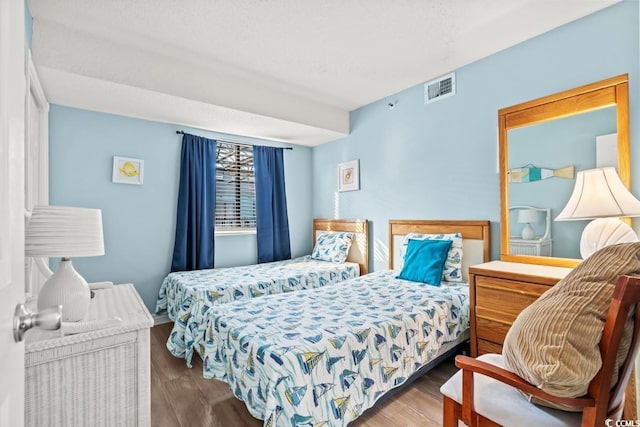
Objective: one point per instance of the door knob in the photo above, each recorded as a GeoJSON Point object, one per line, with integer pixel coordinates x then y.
{"type": "Point", "coordinates": [23, 320]}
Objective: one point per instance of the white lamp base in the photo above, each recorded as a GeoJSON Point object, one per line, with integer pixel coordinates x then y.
{"type": "Point", "coordinates": [66, 288]}
{"type": "Point", "coordinates": [528, 232]}
{"type": "Point", "coordinates": [603, 232]}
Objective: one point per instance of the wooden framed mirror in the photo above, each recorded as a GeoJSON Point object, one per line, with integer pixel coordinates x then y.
{"type": "Point", "coordinates": [543, 143]}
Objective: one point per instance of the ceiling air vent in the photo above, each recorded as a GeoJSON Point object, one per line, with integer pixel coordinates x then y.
{"type": "Point", "coordinates": [440, 88]}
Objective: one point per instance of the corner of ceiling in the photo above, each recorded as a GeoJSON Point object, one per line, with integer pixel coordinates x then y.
{"type": "Point", "coordinates": [85, 71]}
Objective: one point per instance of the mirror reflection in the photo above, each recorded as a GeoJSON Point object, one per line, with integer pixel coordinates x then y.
{"type": "Point", "coordinates": [543, 144]}
{"type": "Point", "coordinates": [542, 162]}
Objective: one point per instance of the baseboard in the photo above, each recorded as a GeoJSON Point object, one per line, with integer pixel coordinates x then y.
{"type": "Point", "coordinates": [160, 318]}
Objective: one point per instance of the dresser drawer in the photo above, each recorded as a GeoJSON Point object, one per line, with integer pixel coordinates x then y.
{"type": "Point", "coordinates": [499, 292]}
{"type": "Point", "coordinates": [491, 326]}
{"type": "Point", "coordinates": [507, 297]}
{"type": "Point", "coordinates": [488, 347]}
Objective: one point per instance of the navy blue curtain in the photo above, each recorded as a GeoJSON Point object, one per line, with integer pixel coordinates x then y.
{"type": "Point", "coordinates": [195, 226]}
{"type": "Point", "coordinates": [272, 222]}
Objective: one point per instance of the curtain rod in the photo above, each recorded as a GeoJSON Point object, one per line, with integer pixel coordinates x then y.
{"type": "Point", "coordinates": [181, 132]}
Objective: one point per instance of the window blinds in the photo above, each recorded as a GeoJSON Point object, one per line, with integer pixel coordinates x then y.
{"type": "Point", "coordinates": [235, 187]}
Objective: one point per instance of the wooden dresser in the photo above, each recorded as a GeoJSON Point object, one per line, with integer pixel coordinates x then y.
{"type": "Point", "coordinates": [499, 291]}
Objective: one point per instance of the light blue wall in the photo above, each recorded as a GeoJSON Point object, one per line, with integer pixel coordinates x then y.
{"type": "Point", "coordinates": [139, 221]}
{"type": "Point", "coordinates": [435, 161]}
{"type": "Point", "coordinates": [439, 161]}
{"type": "Point", "coordinates": [28, 24]}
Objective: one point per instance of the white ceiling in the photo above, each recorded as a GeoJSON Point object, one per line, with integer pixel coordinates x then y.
{"type": "Point", "coordinates": [285, 70]}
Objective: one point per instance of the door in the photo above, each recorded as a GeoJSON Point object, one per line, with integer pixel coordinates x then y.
{"type": "Point", "coordinates": [12, 108]}
{"type": "Point", "coordinates": [36, 163]}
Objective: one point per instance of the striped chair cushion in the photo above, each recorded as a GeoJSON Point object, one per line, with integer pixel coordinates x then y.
{"type": "Point", "coordinates": [553, 343]}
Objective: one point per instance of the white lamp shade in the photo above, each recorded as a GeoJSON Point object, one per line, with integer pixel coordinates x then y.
{"type": "Point", "coordinates": [599, 193]}
{"type": "Point", "coordinates": [527, 216]}
{"type": "Point", "coordinates": [64, 232]}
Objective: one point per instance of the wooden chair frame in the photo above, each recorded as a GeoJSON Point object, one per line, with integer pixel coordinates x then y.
{"type": "Point", "coordinates": [598, 404]}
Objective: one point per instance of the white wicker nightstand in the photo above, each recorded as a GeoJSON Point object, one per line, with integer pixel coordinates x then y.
{"type": "Point", "coordinates": [96, 378]}
{"type": "Point", "coordinates": [534, 247]}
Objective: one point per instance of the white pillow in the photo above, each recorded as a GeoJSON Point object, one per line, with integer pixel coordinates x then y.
{"type": "Point", "coordinates": [332, 246]}
{"type": "Point", "coordinates": [453, 265]}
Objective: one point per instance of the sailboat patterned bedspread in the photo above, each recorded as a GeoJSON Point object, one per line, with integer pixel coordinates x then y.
{"type": "Point", "coordinates": [187, 294]}
{"type": "Point", "coordinates": [322, 357]}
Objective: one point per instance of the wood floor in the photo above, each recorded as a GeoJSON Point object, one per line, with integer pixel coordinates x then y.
{"type": "Point", "coordinates": [181, 397]}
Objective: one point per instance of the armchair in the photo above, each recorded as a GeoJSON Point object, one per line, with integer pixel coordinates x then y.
{"type": "Point", "coordinates": [491, 398]}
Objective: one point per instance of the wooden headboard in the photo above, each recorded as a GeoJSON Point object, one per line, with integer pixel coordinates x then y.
{"type": "Point", "coordinates": [359, 252]}
{"type": "Point", "coordinates": [475, 239]}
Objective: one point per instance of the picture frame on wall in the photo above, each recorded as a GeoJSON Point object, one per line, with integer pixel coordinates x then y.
{"type": "Point", "coordinates": [349, 175]}
{"type": "Point", "coordinates": [127, 170]}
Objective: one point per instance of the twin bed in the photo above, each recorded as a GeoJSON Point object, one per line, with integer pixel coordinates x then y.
{"type": "Point", "coordinates": [187, 295]}
{"type": "Point", "coordinates": [324, 355]}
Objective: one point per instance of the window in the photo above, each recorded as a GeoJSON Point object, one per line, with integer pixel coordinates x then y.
{"type": "Point", "coordinates": [235, 188]}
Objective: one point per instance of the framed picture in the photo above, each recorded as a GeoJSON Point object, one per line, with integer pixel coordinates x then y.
{"type": "Point", "coordinates": [127, 170]}
{"type": "Point", "coordinates": [349, 175]}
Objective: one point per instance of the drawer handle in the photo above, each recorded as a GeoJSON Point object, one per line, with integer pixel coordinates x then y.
{"type": "Point", "coordinates": [23, 320]}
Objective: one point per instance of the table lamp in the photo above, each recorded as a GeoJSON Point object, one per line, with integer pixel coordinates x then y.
{"type": "Point", "coordinates": [527, 216]}
{"type": "Point", "coordinates": [600, 195]}
{"type": "Point", "coordinates": [58, 231]}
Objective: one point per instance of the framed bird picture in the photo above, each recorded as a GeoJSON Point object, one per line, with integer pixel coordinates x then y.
{"type": "Point", "coordinates": [127, 170]}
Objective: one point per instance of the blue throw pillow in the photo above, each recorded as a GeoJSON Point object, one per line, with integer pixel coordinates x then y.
{"type": "Point", "coordinates": [424, 261]}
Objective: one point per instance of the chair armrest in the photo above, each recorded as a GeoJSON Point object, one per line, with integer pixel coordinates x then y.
{"type": "Point", "coordinates": [467, 363]}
